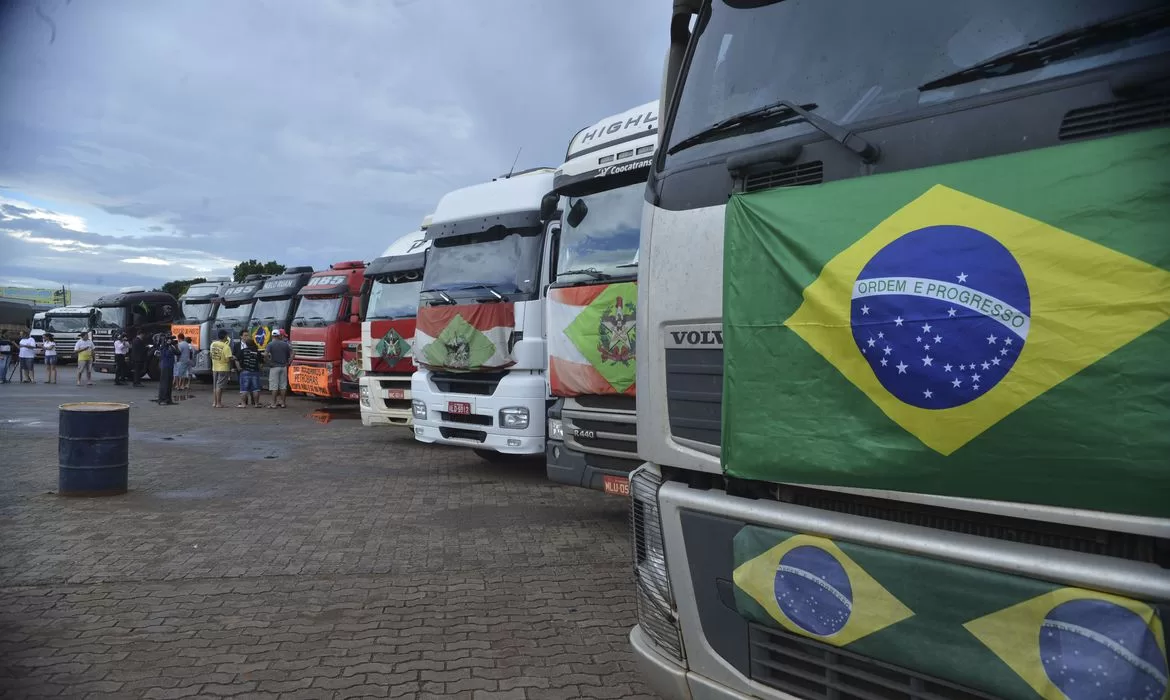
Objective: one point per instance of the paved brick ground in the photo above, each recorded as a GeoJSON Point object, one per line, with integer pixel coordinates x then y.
{"type": "Point", "coordinates": [263, 554]}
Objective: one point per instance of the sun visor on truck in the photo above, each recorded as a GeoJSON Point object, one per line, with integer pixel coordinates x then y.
{"type": "Point", "coordinates": [276, 288]}
{"type": "Point", "coordinates": [239, 292]}
{"type": "Point", "coordinates": [606, 177]}
{"type": "Point", "coordinates": [396, 263]}
{"type": "Point", "coordinates": [479, 224]}
{"type": "Point", "coordinates": [331, 285]}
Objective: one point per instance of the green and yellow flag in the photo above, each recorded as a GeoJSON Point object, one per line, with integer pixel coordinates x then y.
{"type": "Point", "coordinates": [992, 329]}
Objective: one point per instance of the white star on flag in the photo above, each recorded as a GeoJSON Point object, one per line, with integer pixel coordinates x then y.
{"type": "Point", "coordinates": [962, 277]}
{"type": "Point", "coordinates": [898, 321]}
{"type": "Point", "coordinates": [995, 361]}
{"type": "Point", "coordinates": [888, 349]}
{"type": "Point", "coordinates": [918, 339]}
{"type": "Point", "coordinates": [927, 394]}
{"type": "Point", "coordinates": [1003, 352]}
{"type": "Point", "coordinates": [975, 377]}
{"type": "Point", "coordinates": [901, 367]}
{"type": "Point", "coordinates": [985, 366]}
{"type": "Point", "coordinates": [864, 310]}
{"type": "Point", "coordinates": [951, 313]}
{"type": "Point", "coordinates": [872, 342]}
{"type": "Point", "coordinates": [1007, 341]}
{"type": "Point", "coordinates": [947, 368]}
{"type": "Point", "coordinates": [938, 338]}
{"type": "Point", "coordinates": [926, 328]}
{"type": "Point", "coordinates": [955, 383]}
{"type": "Point", "coordinates": [885, 362]}
{"type": "Point", "coordinates": [991, 339]}
{"type": "Point", "coordinates": [927, 360]}
{"type": "Point", "coordinates": [881, 335]}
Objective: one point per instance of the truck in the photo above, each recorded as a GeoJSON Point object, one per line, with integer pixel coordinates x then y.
{"type": "Point", "coordinates": [276, 303]}
{"type": "Point", "coordinates": [479, 340]}
{"type": "Point", "coordinates": [234, 311]}
{"type": "Point", "coordinates": [394, 281]}
{"type": "Point", "coordinates": [902, 317]}
{"type": "Point", "coordinates": [130, 310]}
{"type": "Point", "coordinates": [592, 302]}
{"type": "Point", "coordinates": [195, 318]}
{"type": "Point", "coordinates": [328, 313]}
{"type": "Point", "coordinates": [66, 324]}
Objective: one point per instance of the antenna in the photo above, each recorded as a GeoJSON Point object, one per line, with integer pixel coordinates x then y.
{"type": "Point", "coordinates": [514, 161]}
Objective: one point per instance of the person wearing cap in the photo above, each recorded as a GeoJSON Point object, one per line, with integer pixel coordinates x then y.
{"type": "Point", "coordinates": [279, 354]}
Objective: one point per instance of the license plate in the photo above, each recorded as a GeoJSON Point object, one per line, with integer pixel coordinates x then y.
{"type": "Point", "coordinates": [616, 485]}
{"type": "Point", "coordinates": [394, 394]}
{"type": "Point", "coordinates": [587, 434]}
{"type": "Point", "coordinates": [461, 408]}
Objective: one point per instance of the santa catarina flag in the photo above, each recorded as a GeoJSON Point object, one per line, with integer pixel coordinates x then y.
{"type": "Point", "coordinates": [591, 339]}
{"type": "Point", "coordinates": [465, 337]}
{"type": "Point", "coordinates": [991, 329]}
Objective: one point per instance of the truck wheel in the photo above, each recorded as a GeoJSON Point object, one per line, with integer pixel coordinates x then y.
{"type": "Point", "coordinates": [494, 457]}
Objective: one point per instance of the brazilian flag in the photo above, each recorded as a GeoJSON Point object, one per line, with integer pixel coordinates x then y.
{"type": "Point", "coordinates": [1009, 636]}
{"type": "Point", "coordinates": [990, 329]}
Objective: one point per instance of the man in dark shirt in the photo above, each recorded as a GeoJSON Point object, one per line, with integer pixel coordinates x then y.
{"type": "Point", "coordinates": [249, 360]}
{"type": "Point", "coordinates": [138, 357]}
{"type": "Point", "coordinates": [279, 354]}
{"type": "Point", "coordinates": [167, 352]}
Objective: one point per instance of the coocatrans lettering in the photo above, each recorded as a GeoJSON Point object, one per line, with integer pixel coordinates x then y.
{"type": "Point", "coordinates": [280, 284]}
{"type": "Point", "coordinates": [611, 129]}
{"type": "Point", "coordinates": [624, 167]}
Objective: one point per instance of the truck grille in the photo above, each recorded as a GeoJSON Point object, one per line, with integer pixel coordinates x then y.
{"type": "Point", "coordinates": [808, 669]}
{"type": "Point", "coordinates": [614, 434]}
{"type": "Point", "coordinates": [654, 597]}
{"type": "Point", "coordinates": [478, 383]}
{"type": "Point", "coordinates": [308, 349]}
{"type": "Point", "coordinates": [103, 350]}
{"type": "Point", "coordinates": [694, 394]}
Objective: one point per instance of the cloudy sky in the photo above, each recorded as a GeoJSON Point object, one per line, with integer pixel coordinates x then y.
{"type": "Point", "coordinates": [146, 141]}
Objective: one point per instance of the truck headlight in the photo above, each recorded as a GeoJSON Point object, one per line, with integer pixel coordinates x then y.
{"type": "Point", "coordinates": [514, 417]}
{"type": "Point", "coordinates": [419, 409]}
{"type": "Point", "coordinates": [556, 429]}
{"type": "Point", "coordinates": [364, 394]}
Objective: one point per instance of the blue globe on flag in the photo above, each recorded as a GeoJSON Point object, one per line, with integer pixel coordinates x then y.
{"type": "Point", "coordinates": [812, 589]}
{"type": "Point", "coordinates": [1093, 649]}
{"type": "Point", "coordinates": [941, 315]}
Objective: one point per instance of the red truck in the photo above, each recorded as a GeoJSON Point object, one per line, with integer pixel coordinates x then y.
{"type": "Point", "coordinates": [329, 313]}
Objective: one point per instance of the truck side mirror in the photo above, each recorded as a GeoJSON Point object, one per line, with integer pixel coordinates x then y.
{"type": "Point", "coordinates": [577, 213]}
{"type": "Point", "coordinates": [548, 206]}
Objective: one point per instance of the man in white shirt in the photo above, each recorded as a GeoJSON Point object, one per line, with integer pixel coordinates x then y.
{"type": "Point", "coordinates": [121, 367]}
{"type": "Point", "coordinates": [28, 357]}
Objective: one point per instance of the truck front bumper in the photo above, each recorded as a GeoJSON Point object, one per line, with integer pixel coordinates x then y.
{"type": "Point", "coordinates": [481, 428]}
{"type": "Point", "coordinates": [380, 403]}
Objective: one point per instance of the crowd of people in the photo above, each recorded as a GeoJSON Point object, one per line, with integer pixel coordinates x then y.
{"type": "Point", "coordinates": [176, 364]}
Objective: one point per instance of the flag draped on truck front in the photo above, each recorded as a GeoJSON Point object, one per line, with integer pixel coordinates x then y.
{"type": "Point", "coordinates": [1009, 636]}
{"type": "Point", "coordinates": [592, 343]}
{"type": "Point", "coordinates": [465, 337]}
{"type": "Point", "coordinates": [993, 329]}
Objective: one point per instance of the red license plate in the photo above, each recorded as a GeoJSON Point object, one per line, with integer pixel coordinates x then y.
{"type": "Point", "coordinates": [396, 393]}
{"type": "Point", "coordinates": [461, 408]}
{"type": "Point", "coordinates": [616, 485]}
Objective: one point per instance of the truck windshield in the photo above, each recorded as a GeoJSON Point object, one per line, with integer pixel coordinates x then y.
{"type": "Point", "coordinates": [194, 311]}
{"type": "Point", "coordinates": [605, 240]}
{"type": "Point", "coordinates": [271, 311]}
{"type": "Point", "coordinates": [232, 317]}
{"type": "Point", "coordinates": [67, 324]}
{"type": "Point", "coordinates": [507, 262]}
{"type": "Point", "coordinates": [393, 299]}
{"type": "Point", "coordinates": [317, 311]}
{"type": "Point", "coordinates": [740, 57]}
{"type": "Point", "coordinates": [111, 317]}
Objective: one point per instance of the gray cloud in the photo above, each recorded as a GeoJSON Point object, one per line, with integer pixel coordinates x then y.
{"type": "Point", "coordinates": [307, 130]}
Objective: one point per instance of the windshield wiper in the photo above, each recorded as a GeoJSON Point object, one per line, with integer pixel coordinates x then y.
{"type": "Point", "coordinates": [591, 271]}
{"type": "Point", "coordinates": [497, 295]}
{"type": "Point", "coordinates": [446, 297]}
{"type": "Point", "coordinates": [786, 109]}
{"type": "Point", "coordinates": [1057, 47]}
{"type": "Point", "coordinates": [629, 264]}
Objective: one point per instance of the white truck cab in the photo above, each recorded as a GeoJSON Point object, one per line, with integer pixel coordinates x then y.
{"type": "Point", "coordinates": [394, 281]}
{"type": "Point", "coordinates": [66, 324]}
{"type": "Point", "coordinates": [480, 338]}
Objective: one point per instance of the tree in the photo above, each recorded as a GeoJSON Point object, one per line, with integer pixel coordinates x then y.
{"type": "Point", "coordinates": [255, 267]}
{"type": "Point", "coordinates": [178, 288]}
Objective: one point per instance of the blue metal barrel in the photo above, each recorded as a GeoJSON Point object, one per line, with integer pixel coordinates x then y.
{"type": "Point", "coordinates": [93, 449]}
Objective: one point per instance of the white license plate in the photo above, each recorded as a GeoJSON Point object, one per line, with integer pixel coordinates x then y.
{"type": "Point", "coordinates": [394, 393]}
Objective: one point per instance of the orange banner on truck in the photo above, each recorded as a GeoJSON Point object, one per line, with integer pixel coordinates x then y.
{"type": "Point", "coordinates": [192, 333]}
{"type": "Point", "coordinates": [306, 379]}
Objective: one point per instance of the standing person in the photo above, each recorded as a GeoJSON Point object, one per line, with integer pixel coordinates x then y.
{"type": "Point", "coordinates": [50, 347]}
{"type": "Point", "coordinates": [168, 352]}
{"type": "Point", "coordinates": [249, 362]}
{"type": "Point", "coordinates": [121, 365]}
{"type": "Point", "coordinates": [28, 358]}
{"type": "Point", "coordinates": [183, 368]}
{"type": "Point", "coordinates": [279, 354]}
{"type": "Point", "coordinates": [221, 367]}
{"type": "Point", "coordinates": [138, 357]}
{"type": "Point", "coordinates": [6, 350]}
{"type": "Point", "coordinates": [84, 350]}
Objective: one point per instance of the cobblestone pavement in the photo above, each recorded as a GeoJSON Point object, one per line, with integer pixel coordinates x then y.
{"type": "Point", "coordinates": [262, 553]}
